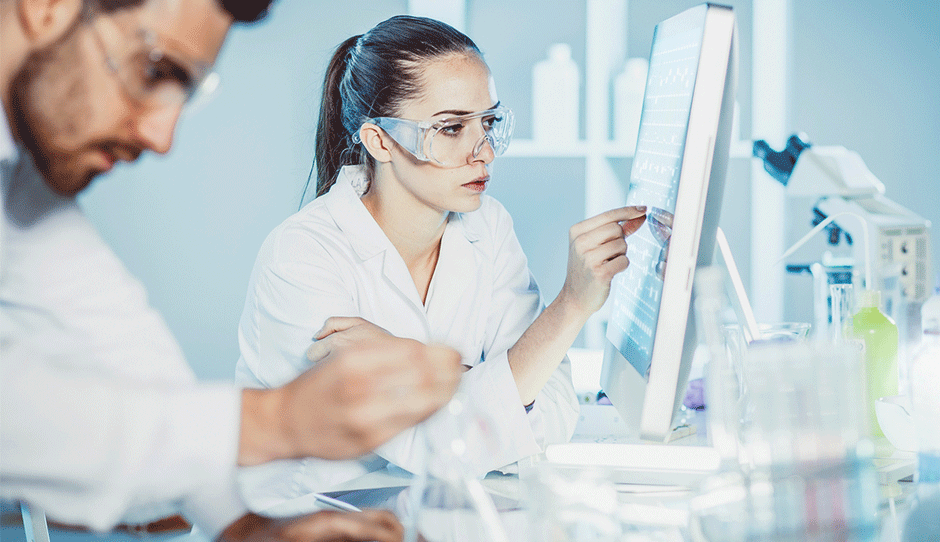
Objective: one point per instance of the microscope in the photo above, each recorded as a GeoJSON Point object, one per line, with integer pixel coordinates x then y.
{"type": "Point", "coordinates": [898, 239]}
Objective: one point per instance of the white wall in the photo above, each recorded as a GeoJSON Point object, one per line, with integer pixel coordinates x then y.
{"type": "Point", "coordinates": [189, 224]}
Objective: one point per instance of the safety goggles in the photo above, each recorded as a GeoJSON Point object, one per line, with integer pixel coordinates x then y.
{"type": "Point", "coordinates": [449, 142]}
{"type": "Point", "coordinates": [153, 77]}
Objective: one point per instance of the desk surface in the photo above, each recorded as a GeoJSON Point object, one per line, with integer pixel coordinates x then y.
{"type": "Point", "coordinates": [388, 489]}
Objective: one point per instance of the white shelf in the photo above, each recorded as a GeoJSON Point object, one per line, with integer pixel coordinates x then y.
{"type": "Point", "coordinates": [528, 148]}
{"type": "Point", "coordinates": [575, 149]}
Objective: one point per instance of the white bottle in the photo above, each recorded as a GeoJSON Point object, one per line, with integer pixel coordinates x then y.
{"type": "Point", "coordinates": [930, 312]}
{"type": "Point", "coordinates": [555, 86]}
{"type": "Point", "coordinates": [629, 88]}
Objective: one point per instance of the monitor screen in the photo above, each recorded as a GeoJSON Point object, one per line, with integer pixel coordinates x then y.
{"type": "Point", "coordinates": [654, 182]}
{"type": "Point", "coordinates": [678, 173]}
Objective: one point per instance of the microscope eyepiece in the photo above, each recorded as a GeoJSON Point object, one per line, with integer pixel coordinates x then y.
{"type": "Point", "coordinates": [780, 164]}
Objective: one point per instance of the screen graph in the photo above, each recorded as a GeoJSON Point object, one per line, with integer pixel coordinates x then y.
{"type": "Point", "coordinates": [654, 182]}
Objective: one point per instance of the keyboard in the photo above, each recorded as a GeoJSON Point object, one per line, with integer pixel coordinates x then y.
{"type": "Point", "coordinates": [635, 463]}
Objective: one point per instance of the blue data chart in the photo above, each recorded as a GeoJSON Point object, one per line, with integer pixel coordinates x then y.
{"type": "Point", "coordinates": [654, 182]}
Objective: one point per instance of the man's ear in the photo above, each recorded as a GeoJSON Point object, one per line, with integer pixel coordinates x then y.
{"type": "Point", "coordinates": [45, 21]}
{"type": "Point", "coordinates": [374, 141]}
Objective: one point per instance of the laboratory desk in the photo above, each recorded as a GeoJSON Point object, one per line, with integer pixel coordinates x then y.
{"type": "Point", "coordinates": [388, 489]}
{"type": "Point", "coordinates": [663, 511]}
{"type": "Point", "coordinates": [666, 506]}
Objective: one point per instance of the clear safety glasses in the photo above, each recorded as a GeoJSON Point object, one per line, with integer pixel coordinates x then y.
{"type": "Point", "coordinates": [152, 76]}
{"type": "Point", "coordinates": [449, 142]}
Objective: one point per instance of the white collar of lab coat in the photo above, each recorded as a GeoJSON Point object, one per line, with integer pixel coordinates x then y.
{"type": "Point", "coordinates": [368, 240]}
{"type": "Point", "coordinates": [363, 232]}
{"type": "Point", "coordinates": [8, 149]}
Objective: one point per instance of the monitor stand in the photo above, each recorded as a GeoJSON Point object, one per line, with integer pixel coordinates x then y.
{"type": "Point", "coordinates": [735, 287]}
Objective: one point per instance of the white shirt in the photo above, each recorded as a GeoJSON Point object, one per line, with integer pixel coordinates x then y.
{"type": "Point", "coordinates": [333, 259]}
{"type": "Point", "coordinates": [102, 419]}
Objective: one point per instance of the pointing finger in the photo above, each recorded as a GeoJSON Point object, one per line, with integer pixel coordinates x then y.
{"type": "Point", "coordinates": [614, 215]}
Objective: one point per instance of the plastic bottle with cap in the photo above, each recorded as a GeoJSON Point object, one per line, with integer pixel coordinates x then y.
{"type": "Point", "coordinates": [930, 311]}
{"type": "Point", "coordinates": [879, 335]}
{"type": "Point", "coordinates": [555, 84]}
{"type": "Point", "coordinates": [629, 88]}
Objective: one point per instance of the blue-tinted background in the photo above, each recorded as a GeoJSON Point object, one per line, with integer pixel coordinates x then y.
{"type": "Point", "coordinates": [865, 75]}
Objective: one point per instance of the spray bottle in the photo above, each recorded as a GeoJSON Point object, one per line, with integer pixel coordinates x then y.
{"type": "Point", "coordinates": [879, 335]}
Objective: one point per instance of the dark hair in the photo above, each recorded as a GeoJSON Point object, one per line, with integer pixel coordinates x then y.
{"type": "Point", "coordinates": [371, 76]}
{"type": "Point", "coordinates": [247, 11]}
{"type": "Point", "coordinates": [243, 11]}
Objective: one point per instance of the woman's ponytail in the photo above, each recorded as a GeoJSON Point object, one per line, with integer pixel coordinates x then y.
{"type": "Point", "coordinates": [334, 147]}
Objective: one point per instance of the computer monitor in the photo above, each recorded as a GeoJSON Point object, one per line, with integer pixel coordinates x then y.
{"type": "Point", "coordinates": [678, 173]}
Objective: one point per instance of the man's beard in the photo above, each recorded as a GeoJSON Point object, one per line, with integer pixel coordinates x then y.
{"type": "Point", "coordinates": [28, 124]}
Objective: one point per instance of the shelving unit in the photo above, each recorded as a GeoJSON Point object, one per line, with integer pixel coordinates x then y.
{"type": "Point", "coordinates": [527, 148]}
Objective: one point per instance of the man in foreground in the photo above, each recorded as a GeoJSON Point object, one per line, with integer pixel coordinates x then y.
{"type": "Point", "coordinates": [102, 419]}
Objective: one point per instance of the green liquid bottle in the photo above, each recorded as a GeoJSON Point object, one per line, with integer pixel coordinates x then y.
{"type": "Point", "coordinates": [880, 336]}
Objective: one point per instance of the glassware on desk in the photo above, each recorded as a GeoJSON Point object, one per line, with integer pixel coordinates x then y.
{"type": "Point", "coordinates": [571, 504]}
{"type": "Point", "coordinates": [451, 511]}
{"type": "Point", "coordinates": [803, 463]}
{"type": "Point", "coordinates": [567, 503]}
{"type": "Point", "coordinates": [806, 470]}
{"type": "Point", "coordinates": [737, 348]}
{"type": "Point", "coordinates": [448, 501]}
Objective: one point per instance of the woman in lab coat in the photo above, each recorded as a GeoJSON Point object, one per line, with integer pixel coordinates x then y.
{"type": "Point", "coordinates": [402, 239]}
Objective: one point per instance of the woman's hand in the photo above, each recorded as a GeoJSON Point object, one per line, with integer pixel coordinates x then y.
{"type": "Point", "coordinates": [597, 251]}
{"type": "Point", "coordinates": [340, 332]}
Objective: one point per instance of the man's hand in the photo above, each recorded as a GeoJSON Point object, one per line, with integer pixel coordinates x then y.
{"type": "Point", "coordinates": [353, 400]}
{"type": "Point", "coordinates": [340, 332]}
{"type": "Point", "coordinates": [327, 526]}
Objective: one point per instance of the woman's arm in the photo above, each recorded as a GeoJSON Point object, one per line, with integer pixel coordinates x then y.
{"type": "Point", "coordinates": [596, 252]}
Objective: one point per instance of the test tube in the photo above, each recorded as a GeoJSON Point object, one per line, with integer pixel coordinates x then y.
{"type": "Point", "coordinates": [843, 305]}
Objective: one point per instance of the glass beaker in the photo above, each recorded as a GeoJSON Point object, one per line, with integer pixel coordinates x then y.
{"type": "Point", "coordinates": [571, 503]}
{"type": "Point", "coordinates": [784, 331]}
{"type": "Point", "coordinates": [450, 511]}
{"type": "Point", "coordinates": [448, 501]}
{"type": "Point", "coordinates": [737, 348]}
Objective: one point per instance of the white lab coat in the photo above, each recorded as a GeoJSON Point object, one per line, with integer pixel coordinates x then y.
{"type": "Point", "coordinates": [101, 419]}
{"type": "Point", "coordinates": [333, 259]}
